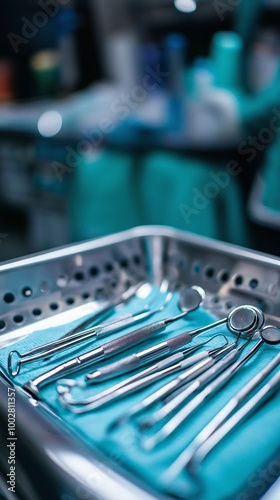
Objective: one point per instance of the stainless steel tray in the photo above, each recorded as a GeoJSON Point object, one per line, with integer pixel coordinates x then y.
{"type": "Point", "coordinates": [52, 463]}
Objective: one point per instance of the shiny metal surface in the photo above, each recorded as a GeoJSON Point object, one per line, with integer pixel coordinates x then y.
{"type": "Point", "coordinates": [59, 465]}
{"type": "Point", "coordinates": [76, 280]}
{"type": "Point", "coordinates": [83, 277]}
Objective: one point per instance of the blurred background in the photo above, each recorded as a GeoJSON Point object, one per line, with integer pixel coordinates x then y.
{"type": "Point", "coordinates": [119, 113]}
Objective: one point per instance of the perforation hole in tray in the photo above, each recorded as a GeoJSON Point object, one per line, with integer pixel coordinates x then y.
{"type": "Point", "coordinates": [79, 276]}
{"type": "Point", "coordinates": [223, 276]}
{"type": "Point", "coordinates": [196, 268]}
{"type": "Point", "coordinates": [229, 304]}
{"type": "Point", "coordinates": [137, 260]}
{"type": "Point", "coordinates": [70, 301]}
{"type": "Point", "coordinates": [101, 274]}
{"type": "Point", "coordinates": [27, 291]}
{"type": "Point", "coordinates": [209, 272]}
{"type": "Point", "coordinates": [215, 299]}
{"type": "Point", "coordinates": [2, 325]}
{"type": "Point", "coordinates": [62, 281]}
{"type": "Point", "coordinates": [124, 263]}
{"type": "Point", "coordinates": [53, 306]}
{"type": "Point", "coordinates": [18, 319]}
{"type": "Point", "coordinates": [253, 283]}
{"type": "Point", "coordinates": [182, 264]}
{"type": "Point", "coordinates": [37, 312]}
{"type": "Point", "coordinates": [109, 267]}
{"type": "Point", "coordinates": [220, 277]}
{"type": "Point", "coordinates": [94, 271]}
{"type": "Point", "coordinates": [110, 276]}
{"type": "Point", "coordinates": [238, 280]}
{"type": "Point", "coordinates": [9, 298]}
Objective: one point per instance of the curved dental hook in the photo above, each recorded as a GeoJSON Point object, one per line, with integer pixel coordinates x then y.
{"type": "Point", "coordinates": [216, 349]}
{"type": "Point", "coordinates": [240, 321]}
{"type": "Point", "coordinates": [64, 386]}
{"type": "Point", "coordinates": [224, 358]}
{"type": "Point", "coordinates": [141, 358]}
{"type": "Point", "coordinates": [212, 388]}
{"type": "Point", "coordinates": [190, 300]}
{"type": "Point", "coordinates": [248, 325]}
{"type": "Point", "coordinates": [213, 353]}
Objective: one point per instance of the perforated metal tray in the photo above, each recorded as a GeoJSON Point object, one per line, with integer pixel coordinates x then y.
{"type": "Point", "coordinates": [36, 289]}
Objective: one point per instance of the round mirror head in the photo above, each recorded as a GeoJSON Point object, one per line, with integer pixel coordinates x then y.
{"type": "Point", "coordinates": [191, 298]}
{"type": "Point", "coordinates": [245, 319]}
{"type": "Point", "coordinates": [271, 335]}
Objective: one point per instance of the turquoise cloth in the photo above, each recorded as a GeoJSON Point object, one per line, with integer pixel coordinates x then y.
{"type": "Point", "coordinates": [116, 191]}
{"type": "Point", "coordinates": [226, 471]}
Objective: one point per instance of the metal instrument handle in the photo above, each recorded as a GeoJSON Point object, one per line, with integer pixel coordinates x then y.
{"type": "Point", "coordinates": [251, 405]}
{"type": "Point", "coordinates": [133, 338]}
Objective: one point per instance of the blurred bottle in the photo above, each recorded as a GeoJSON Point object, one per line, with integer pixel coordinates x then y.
{"type": "Point", "coordinates": [263, 61]}
{"type": "Point", "coordinates": [201, 77]}
{"type": "Point", "coordinates": [45, 69]}
{"type": "Point", "coordinates": [7, 75]}
{"type": "Point", "coordinates": [226, 54]}
{"type": "Point", "coordinates": [216, 83]}
{"type": "Point", "coordinates": [68, 22]}
{"type": "Point", "coordinates": [174, 53]}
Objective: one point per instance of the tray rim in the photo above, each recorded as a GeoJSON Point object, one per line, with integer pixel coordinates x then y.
{"type": "Point", "coordinates": [140, 231]}
{"type": "Point", "coordinates": [130, 234]}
